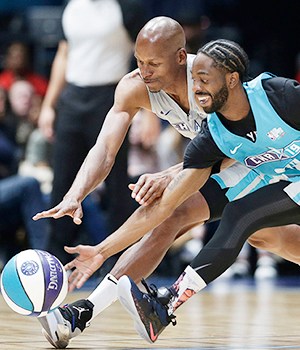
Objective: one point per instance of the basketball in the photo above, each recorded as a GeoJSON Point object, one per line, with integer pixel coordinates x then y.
{"type": "Point", "coordinates": [34, 282]}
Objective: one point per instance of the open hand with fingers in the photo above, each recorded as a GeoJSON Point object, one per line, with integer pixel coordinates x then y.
{"type": "Point", "coordinates": [68, 206]}
{"type": "Point", "coordinates": [87, 261]}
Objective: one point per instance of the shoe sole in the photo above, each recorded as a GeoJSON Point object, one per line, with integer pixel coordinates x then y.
{"type": "Point", "coordinates": [62, 333]}
{"type": "Point", "coordinates": [126, 299]}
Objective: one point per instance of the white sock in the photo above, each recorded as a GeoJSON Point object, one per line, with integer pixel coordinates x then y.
{"type": "Point", "coordinates": [104, 295]}
{"type": "Point", "coordinates": [188, 284]}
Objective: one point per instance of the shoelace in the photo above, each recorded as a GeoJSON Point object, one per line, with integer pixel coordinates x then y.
{"type": "Point", "coordinates": [152, 290]}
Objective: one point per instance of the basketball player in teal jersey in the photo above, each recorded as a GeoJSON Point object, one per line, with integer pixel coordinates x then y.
{"type": "Point", "coordinates": [267, 108]}
{"type": "Point", "coordinates": [163, 75]}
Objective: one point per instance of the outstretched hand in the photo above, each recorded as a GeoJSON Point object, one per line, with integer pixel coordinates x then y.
{"type": "Point", "coordinates": [67, 206]}
{"type": "Point", "coordinates": [87, 261]}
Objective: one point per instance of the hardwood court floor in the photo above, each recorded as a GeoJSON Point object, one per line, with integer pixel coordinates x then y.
{"type": "Point", "coordinates": [225, 316]}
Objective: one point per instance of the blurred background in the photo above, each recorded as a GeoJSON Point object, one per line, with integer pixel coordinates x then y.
{"type": "Point", "coordinates": [30, 32]}
{"type": "Point", "coordinates": [268, 30]}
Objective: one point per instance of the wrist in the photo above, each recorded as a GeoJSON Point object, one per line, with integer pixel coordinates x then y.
{"type": "Point", "coordinates": [103, 251]}
{"type": "Point", "coordinates": [73, 197]}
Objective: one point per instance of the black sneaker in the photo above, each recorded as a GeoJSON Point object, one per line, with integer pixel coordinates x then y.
{"type": "Point", "coordinates": [148, 310]}
{"type": "Point", "coordinates": [65, 323]}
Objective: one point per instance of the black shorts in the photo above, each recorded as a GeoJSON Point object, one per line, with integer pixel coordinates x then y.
{"type": "Point", "coordinates": [215, 198]}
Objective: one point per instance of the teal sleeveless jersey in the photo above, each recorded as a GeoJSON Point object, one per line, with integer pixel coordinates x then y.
{"type": "Point", "coordinates": [275, 155]}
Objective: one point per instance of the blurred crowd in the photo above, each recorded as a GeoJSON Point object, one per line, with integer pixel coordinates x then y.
{"type": "Point", "coordinates": [29, 40]}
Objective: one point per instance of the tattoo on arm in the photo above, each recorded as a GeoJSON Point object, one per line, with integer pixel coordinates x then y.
{"type": "Point", "coordinates": [176, 181]}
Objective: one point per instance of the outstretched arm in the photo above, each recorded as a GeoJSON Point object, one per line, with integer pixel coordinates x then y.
{"type": "Point", "coordinates": [100, 159]}
{"type": "Point", "coordinates": [144, 219]}
{"type": "Point", "coordinates": [94, 169]}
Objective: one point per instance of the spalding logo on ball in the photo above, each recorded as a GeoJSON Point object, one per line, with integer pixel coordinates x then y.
{"type": "Point", "coordinates": [34, 282]}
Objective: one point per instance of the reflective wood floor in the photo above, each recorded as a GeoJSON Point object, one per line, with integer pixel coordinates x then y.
{"type": "Point", "coordinates": [225, 316]}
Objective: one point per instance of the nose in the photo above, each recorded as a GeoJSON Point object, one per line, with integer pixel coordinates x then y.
{"type": "Point", "coordinates": [197, 86]}
{"type": "Point", "coordinates": [146, 71]}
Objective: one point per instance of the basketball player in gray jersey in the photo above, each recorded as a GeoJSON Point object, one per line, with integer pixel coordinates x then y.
{"type": "Point", "coordinates": [162, 83]}
{"type": "Point", "coordinates": [186, 123]}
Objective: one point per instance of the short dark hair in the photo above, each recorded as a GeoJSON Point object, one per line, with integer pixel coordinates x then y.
{"type": "Point", "coordinates": [228, 55]}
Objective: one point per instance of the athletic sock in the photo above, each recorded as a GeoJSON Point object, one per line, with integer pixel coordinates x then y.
{"type": "Point", "coordinates": [104, 295]}
{"type": "Point", "coordinates": [188, 284]}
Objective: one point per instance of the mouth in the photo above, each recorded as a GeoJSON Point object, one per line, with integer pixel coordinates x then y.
{"type": "Point", "coordinates": [149, 81]}
{"type": "Point", "coordinates": [152, 85]}
{"type": "Point", "coordinates": [203, 99]}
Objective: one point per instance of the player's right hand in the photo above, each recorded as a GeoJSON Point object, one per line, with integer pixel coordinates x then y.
{"type": "Point", "coordinates": [87, 261]}
{"type": "Point", "coordinates": [67, 206]}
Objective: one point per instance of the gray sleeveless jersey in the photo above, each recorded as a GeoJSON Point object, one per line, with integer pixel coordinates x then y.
{"type": "Point", "coordinates": [166, 108]}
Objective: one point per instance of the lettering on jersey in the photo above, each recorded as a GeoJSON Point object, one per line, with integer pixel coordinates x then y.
{"type": "Point", "coordinates": [185, 127]}
{"type": "Point", "coordinates": [275, 133]}
{"type": "Point", "coordinates": [197, 126]}
{"type": "Point", "coordinates": [251, 135]}
{"type": "Point", "coordinates": [181, 127]}
{"type": "Point", "coordinates": [274, 154]}
{"type": "Point", "coordinates": [291, 168]}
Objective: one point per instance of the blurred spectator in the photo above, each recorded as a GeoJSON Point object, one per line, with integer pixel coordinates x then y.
{"type": "Point", "coordinates": [17, 67]}
{"type": "Point", "coordinates": [8, 150]}
{"type": "Point", "coordinates": [95, 53]}
{"type": "Point", "coordinates": [21, 116]}
{"type": "Point", "coordinates": [3, 103]}
{"type": "Point", "coordinates": [200, 27]}
{"type": "Point", "coordinates": [20, 198]}
{"type": "Point", "coordinates": [10, 133]}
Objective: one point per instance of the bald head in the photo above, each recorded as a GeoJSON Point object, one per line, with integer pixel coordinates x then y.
{"type": "Point", "coordinates": [163, 30]}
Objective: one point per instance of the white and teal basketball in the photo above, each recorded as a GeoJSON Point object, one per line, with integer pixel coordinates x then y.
{"type": "Point", "coordinates": [34, 282]}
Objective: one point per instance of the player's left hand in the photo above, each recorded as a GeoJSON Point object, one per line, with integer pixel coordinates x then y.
{"type": "Point", "coordinates": [87, 261]}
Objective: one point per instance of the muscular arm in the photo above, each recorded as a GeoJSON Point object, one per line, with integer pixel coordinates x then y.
{"type": "Point", "coordinates": [144, 219]}
{"type": "Point", "coordinates": [130, 96]}
{"type": "Point", "coordinates": [101, 157]}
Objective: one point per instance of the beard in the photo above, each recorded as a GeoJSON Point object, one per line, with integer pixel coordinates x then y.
{"type": "Point", "coordinates": [218, 100]}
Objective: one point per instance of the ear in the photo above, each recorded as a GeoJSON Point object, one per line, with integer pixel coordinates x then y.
{"type": "Point", "coordinates": [233, 79]}
{"type": "Point", "coordinates": [182, 56]}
